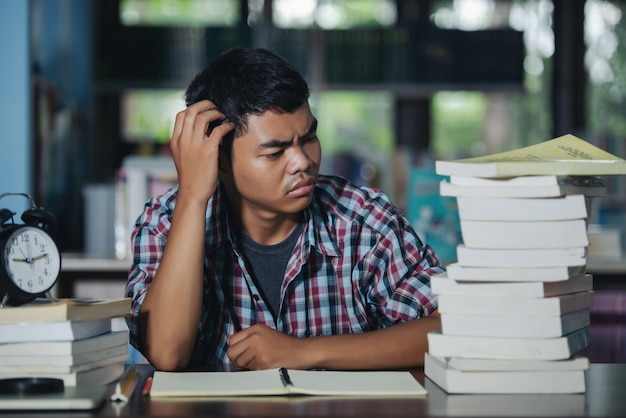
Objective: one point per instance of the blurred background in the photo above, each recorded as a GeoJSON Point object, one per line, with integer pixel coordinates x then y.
{"type": "Point", "coordinates": [89, 90]}
{"type": "Point", "coordinates": [396, 85]}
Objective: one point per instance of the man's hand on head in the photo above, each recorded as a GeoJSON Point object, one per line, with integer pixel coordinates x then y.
{"type": "Point", "coordinates": [196, 138]}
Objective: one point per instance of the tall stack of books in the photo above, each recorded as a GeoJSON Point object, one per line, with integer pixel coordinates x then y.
{"type": "Point", "coordinates": [515, 306]}
{"type": "Point", "coordinates": [67, 339]}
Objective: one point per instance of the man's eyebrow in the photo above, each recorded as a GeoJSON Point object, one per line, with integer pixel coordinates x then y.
{"type": "Point", "coordinates": [278, 143]}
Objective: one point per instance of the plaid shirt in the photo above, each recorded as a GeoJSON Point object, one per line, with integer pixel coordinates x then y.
{"type": "Point", "coordinates": [357, 266]}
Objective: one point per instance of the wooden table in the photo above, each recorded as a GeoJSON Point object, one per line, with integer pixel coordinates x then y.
{"type": "Point", "coordinates": [605, 396]}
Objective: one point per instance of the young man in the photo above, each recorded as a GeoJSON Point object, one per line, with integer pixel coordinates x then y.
{"type": "Point", "coordinates": [255, 260]}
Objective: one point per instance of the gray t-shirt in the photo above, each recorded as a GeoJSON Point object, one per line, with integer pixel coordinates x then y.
{"type": "Point", "coordinates": [267, 264]}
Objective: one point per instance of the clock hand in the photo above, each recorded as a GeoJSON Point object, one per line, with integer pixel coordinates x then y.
{"type": "Point", "coordinates": [40, 256]}
{"type": "Point", "coordinates": [22, 260]}
{"type": "Point", "coordinates": [30, 254]}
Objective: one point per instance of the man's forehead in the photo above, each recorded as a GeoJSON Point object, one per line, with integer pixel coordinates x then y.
{"type": "Point", "coordinates": [277, 125]}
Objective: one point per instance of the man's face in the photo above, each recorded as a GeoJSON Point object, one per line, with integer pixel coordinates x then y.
{"type": "Point", "coordinates": [276, 162]}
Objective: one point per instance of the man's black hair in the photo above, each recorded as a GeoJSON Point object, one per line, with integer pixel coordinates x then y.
{"type": "Point", "coordinates": [248, 81]}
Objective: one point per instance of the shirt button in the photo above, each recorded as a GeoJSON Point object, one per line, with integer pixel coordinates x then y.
{"type": "Point", "coordinates": [255, 297]}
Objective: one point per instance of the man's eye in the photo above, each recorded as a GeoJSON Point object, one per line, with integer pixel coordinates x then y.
{"type": "Point", "coordinates": [274, 155]}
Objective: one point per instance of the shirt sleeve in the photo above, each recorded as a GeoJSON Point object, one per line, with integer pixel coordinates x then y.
{"type": "Point", "coordinates": [398, 271]}
{"type": "Point", "coordinates": [148, 242]}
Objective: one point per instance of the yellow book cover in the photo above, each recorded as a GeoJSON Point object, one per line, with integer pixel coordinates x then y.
{"type": "Point", "coordinates": [566, 155]}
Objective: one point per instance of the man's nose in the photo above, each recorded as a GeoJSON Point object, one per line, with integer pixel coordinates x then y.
{"type": "Point", "coordinates": [299, 160]}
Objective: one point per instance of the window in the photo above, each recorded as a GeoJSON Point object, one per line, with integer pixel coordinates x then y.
{"type": "Point", "coordinates": [179, 12]}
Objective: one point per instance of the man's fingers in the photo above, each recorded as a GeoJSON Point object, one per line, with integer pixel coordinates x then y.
{"type": "Point", "coordinates": [239, 354]}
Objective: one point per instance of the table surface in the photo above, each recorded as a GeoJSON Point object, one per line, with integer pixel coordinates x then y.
{"type": "Point", "coordinates": [605, 396]}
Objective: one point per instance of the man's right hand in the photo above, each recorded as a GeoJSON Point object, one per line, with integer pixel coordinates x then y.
{"type": "Point", "coordinates": [172, 307]}
{"type": "Point", "coordinates": [195, 149]}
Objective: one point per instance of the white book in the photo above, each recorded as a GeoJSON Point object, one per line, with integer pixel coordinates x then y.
{"type": "Point", "coordinates": [507, 182]}
{"type": "Point", "coordinates": [514, 326]}
{"type": "Point", "coordinates": [100, 375]}
{"type": "Point", "coordinates": [63, 369]}
{"type": "Point", "coordinates": [44, 359]}
{"type": "Point", "coordinates": [576, 362]}
{"type": "Point", "coordinates": [66, 348]}
{"type": "Point", "coordinates": [545, 257]}
{"type": "Point", "coordinates": [516, 404]}
{"type": "Point", "coordinates": [558, 348]}
{"type": "Point", "coordinates": [441, 285]}
{"type": "Point", "coordinates": [532, 209]}
{"type": "Point", "coordinates": [44, 310]}
{"type": "Point", "coordinates": [489, 305]}
{"type": "Point", "coordinates": [597, 189]}
{"type": "Point", "coordinates": [525, 234]}
{"type": "Point", "coordinates": [53, 331]}
{"type": "Point", "coordinates": [460, 272]}
{"type": "Point", "coordinates": [536, 381]}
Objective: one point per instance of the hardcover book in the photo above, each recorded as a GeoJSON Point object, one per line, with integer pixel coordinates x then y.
{"type": "Point", "coordinates": [512, 209]}
{"type": "Point", "coordinates": [453, 380]}
{"type": "Point", "coordinates": [456, 271]}
{"type": "Point", "coordinates": [512, 348]}
{"type": "Point", "coordinates": [53, 331]}
{"type": "Point", "coordinates": [525, 234]}
{"type": "Point", "coordinates": [442, 285]}
{"type": "Point", "coordinates": [43, 310]}
{"type": "Point", "coordinates": [506, 257]}
{"type": "Point", "coordinates": [514, 326]}
{"type": "Point", "coordinates": [65, 348]}
{"type": "Point", "coordinates": [572, 185]}
{"type": "Point", "coordinates": [489, 305]}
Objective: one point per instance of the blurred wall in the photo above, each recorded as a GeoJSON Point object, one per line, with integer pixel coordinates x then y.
{"type": "Point", "coordinates": [15, 100]}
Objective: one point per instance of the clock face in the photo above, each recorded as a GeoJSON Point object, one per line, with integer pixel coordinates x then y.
{"type": "Point", "coordinates": [31, 259]}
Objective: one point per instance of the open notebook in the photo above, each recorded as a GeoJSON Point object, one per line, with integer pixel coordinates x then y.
{"type": "Point", "coordinates": [285, 382]}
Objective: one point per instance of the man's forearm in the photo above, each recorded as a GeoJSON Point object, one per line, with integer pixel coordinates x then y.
{"type": "Point", "coordinates": [171, 310]}
{"type": "Point", "coordinates": [398, 346]}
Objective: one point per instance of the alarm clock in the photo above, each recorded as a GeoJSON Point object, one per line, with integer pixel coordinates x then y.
{"type": "Point", "coordinates": [30, 260]}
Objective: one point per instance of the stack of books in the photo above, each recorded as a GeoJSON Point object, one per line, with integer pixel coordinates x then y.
{"type": "Point", "coordinates": [66, 339]}
{"type": "Point", "coordinates": [515, 306]}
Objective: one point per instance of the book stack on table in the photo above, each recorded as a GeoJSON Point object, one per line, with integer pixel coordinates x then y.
{"type": "Point", "coordinates": [515, 306]}
{"type": "Point", "coordinates": [67, 339]}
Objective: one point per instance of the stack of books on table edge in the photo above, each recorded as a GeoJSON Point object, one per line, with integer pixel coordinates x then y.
{"type": "Point", "coordinates": [515, 307]}
{"type": "Point", "coordinates": [66, 339]}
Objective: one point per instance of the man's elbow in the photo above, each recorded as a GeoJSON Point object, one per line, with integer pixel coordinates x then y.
{"type": "Point", "coordinates": [168, 360]}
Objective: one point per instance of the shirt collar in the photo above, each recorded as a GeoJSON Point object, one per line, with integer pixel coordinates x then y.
{"type": "Point", "coordinates": [316, 233]}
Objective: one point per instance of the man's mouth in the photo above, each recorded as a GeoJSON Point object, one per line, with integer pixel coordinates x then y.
{"type": "Point", "coordinates": [302, 188]}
